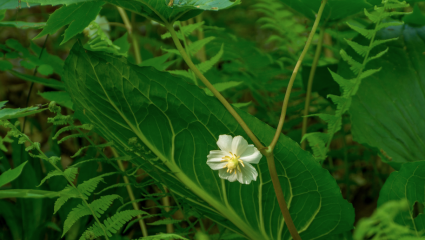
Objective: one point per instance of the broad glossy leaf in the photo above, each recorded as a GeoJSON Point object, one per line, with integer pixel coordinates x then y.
{"type": "Point", "coordinates": [408, 183]}
{"type": "Point", "coordinates": [388, 109]}
{"type": "Point", "coordinates": [177, 125]}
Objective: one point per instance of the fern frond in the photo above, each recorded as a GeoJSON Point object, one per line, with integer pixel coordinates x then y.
{"type": "Point", "coordinates": [104, 145]}
{"type": "Point", "coordinates": [207, 65]}
{"type": "Point", "coordinates": [196, 46]}
{"type": "Point", "coordinates": [76, 135]}
{"type": "Point", "coordinates": [112, 224]}
{"type": "Point", "coordinates": [87, 187]}
{"type": "Point", "coordinates": [320, 141]}
{"type": "Point", "coordinates": [87, 127]}
{"type": "Point", "coordinates": [69, 173]}
{"type": "Point", "coordinates": [67, 193]}
{"type": "Point", "coordinates": [188, 29]}
{"type": "Point", "coordinates": [98, 206]}
{"type": "Point", "coordinates": [317, 142]}
{"type": "Point", "coordinates": [113, 186]}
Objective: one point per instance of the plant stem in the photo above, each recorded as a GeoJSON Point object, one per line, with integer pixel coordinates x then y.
{"type": "Point", "coordinates": [216, 93]}
{"type": "Point", "coordinates": [294, 75]}
{"type": "Point", "coordinates": [280, 197]}
{"type": "Point", "coordinates": [310, 84]}
{"type": "Point", "coordinates": [131, 194]}
{"type": "Point", "coordinates": [201, 54]}
{"type": "Point", "coordinates": [129, 27]}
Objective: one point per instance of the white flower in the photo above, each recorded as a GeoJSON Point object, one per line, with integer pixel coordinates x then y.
{"type": "Point", "coordinates": [234, 159]}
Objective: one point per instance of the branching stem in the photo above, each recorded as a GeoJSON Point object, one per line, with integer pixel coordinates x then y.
{"type": "Point", "coordinates": [216, 93]}
{"type": "Point", "coordinates": [294, 75]}
{"type": "Point", "coordinates": [310, 84]}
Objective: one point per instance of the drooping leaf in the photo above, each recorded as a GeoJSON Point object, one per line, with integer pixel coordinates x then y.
{"type": "Point", "coordinates": [178, 124]}
{"type": "Point", "coordinates": [78, 16]}
{"type": "Point", "coordinates": [48, 82]}
{"type": "Point", "coordinates": [386, 110]}
{"type": "Point", "coordinates": [11, 174]}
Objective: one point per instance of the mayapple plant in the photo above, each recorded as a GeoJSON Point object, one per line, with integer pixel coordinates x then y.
{"type": "Point", "coordinates": [186, 135]}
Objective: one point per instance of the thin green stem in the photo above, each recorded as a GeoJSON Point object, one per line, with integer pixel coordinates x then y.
{"type": "Point", "coordinates": [32, 83]}
{"type": "Point", "coordinates": [131, 194]}
{"type": "Point", "coordinates": [294, 75]}
{"type": "Point", "coordinates": [216, 93]}
{"type": "Point", "coordinates": [133, 37]}
{"type": "Point", "coordinates": [310, 84]}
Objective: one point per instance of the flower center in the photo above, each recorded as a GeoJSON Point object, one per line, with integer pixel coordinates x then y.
{"type": "Point", "coordinates": [232, 163]}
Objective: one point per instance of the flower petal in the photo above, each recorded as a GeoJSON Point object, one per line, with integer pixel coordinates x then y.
{"type": "Point", "coordinates": [247, 174]}
{"type": "Point", "coordinates": [251, 155]}
{"type": "Point", "coordinates": [216, 156]}
{"type": "Point", "coordinates": [225, 142]}
{"type": "Point", "coordinates": [222, 173]}
{"type": "Point", "coordinates": [216, 165]}
{"type": "Point", "coordinates": [239, 144]}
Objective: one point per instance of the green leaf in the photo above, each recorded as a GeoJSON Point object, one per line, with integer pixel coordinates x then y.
{"type": "Point", "coordinates": [5, 65]}
{"type": "Point", "coordinates": [99, 206]}
{"type": "Point", "coordinates": [177, 125]}
{"type": "Point", "coordinates": [11, 175]}
{"type": "Point", "coordinates": [386, 110]}
{"type": "Point", "coordinates": [416, 18]}
{"type": "Point", "coordinates": [28, 193]}
{"type": "Point", "coordinates": [45, 69]}
{"type": "Point", "coordinates": [158, 62]}
{"type": "Point", "coordinates": [241, 105]}
{"type": "Point", "coordinates": [112, 224]}
{"type": "Point", "coordinates": [381, 224]}
{"type": "Point", "coordinates": [23, 25]}
{"type": "Point", "coordinates": [222, 87]}
{"type": "Point", "coordinates": [165, 221]}
{"type": "Point", "coordinates": [11, 113]}
{"type": "Point", "coordinates": [53, 83]}
{"type": "Point", "coordinates": [13, 4]}
{"type": "Point", "coordinates": [406, 184]}
{"type": "Point", "coordinates": [122, 42]}
{"type": "Point", "coordinates": [61, 98]}
{"type": "Point", "coordinates": [78, 16]}
{"type": "Point", "coordinates": [159, 10]}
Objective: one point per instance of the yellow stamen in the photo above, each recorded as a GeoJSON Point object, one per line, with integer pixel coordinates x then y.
{"type": "Point", "coordinates": [232, 163]}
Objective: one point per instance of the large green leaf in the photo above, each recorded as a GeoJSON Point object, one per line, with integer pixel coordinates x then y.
{"type": "Point", "coordinates": [388, 110]}
{"type": "Point", "coordinates": [177, 125]}
{"type": "Point", "coordinates": [408, 183]}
